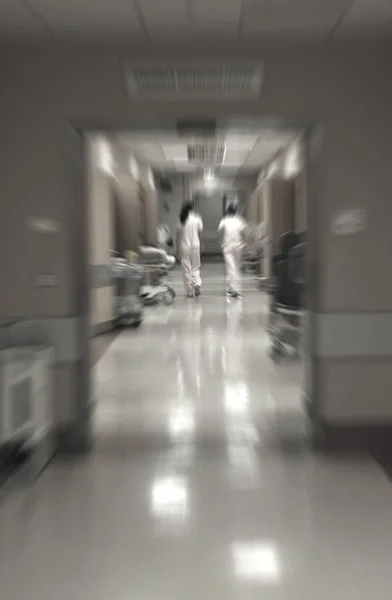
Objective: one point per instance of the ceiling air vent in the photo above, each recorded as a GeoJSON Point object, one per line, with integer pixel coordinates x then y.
{"type": "Point", "coordinates": [206, 154]}
{"type": "Point", "coordinates": [195, 81]}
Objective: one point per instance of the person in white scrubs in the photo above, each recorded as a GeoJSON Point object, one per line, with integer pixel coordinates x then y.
{"type": "Point", "coordinates": [189, 245]}
{"type": "Point", "coordinates": [232, 230]}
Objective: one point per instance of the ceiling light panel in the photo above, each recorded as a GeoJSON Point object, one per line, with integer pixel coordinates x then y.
{"type": "Point", "coordinates": [206, 154]}
{"type": "Point", "coordinates": [190, 81]}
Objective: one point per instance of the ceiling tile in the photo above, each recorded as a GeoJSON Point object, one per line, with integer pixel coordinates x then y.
{"type": "Point", "coordinates": [163, 14]}
{"type": "Point", "coordinates": [299, 16]}
{"type": "Point", "coordinates": [262, 7]}
{"type": "Point", "coordinates": [15, 19]}
{"type": "Point", "coordinates": [301, 31]}
{"type": "Point", "coordinates": [216, 12]}
{"type": "Point", "coordinates": [87, 14]}
{"type": "Point", "coordinates": [373, 16]}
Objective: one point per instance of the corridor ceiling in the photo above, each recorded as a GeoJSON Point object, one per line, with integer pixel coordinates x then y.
{"type": "Point", "coordinates": [138, 20]}
{"type": "Point", "coordinates": [231, 151]}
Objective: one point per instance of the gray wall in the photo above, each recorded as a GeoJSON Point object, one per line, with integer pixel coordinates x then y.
{"type": "Point", "coordinates": [101, 240]}
{"type": "Point", "coordinates": [210, 208]}
{"type": "Point", "coordinates": [300, 204]}
{"type": "Point", "coordinates": [129, 220]}
{"type": "Point", "coordinates": [346, 88]}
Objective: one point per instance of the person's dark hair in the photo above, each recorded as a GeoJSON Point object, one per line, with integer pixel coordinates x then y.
{"type": "Point", "coordinates": [231, 210]}
{"type": "Point", "coordinates": [187, 207]}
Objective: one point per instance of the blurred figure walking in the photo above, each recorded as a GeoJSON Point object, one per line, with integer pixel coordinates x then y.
{"type": "Point", "coordinates": [232, 230]}
{"type": "Point", "coordinates": [189, 245]}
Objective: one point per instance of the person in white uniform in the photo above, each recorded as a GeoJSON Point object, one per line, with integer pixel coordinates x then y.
{"type": "Point", "coordinates": [189, 244]}
{"type": "Point", "coordinates": [232, 229]}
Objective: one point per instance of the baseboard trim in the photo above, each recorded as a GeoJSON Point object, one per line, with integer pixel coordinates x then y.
{"type": "Point", "coordinates": [353, 437]}
{"type": "Point", "coordinates": [102, 328]}
{"type": "Point", "coordinates": [75, 438]}
{"type": "Point", "coordinates": [21, 459]}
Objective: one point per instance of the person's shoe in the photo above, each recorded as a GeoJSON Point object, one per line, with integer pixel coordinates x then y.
{"type": "Point", "coordinates": [197, 291]}
{"type": "Point", "coordinates": [236, 295]}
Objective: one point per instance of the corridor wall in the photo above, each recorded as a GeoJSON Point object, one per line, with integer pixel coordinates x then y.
{"type": "Point", "coordinates": [251, 207]}
{"type": "Point", "coordinates": [101, 239]}
{"type": "Point", "coordinates": [278, 197]}
{"type": "Point", "coordinates": [128, 212]}
{"type": "Point", "coordinates": [300, 202]}
{"type": "Point", "coordinates": [150, 201]}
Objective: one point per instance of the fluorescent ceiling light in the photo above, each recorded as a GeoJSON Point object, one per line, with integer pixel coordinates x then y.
{"type": "Point", "coordinates": [175, 152]}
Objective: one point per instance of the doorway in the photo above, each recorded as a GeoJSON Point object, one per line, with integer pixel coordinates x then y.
{"type": "Point", "coordinates": [211, 206]}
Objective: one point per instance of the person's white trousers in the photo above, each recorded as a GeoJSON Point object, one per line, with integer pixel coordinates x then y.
{"type": "Point", "coordinates": [190, 260]}
{"type": "Point", "coordinates": [233, 266]}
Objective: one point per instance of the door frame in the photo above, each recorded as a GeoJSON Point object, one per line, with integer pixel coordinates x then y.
{"type": "Point", "coordinates": [81, 438]}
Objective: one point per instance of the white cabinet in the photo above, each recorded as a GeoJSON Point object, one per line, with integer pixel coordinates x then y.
{"type": "Point", "coordinates": [26, 391]}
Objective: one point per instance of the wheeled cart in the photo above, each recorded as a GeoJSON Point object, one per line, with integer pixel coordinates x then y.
{"type": "Point", "coordinates": [157, 265]}
{"type": "Point", "coordinates": [128, 278]}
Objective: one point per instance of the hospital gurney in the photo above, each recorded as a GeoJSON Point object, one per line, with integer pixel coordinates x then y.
{"type": "Point", "coordinates": [253, 250]}
{"type": "Point", "coordinates": [165, 240]}
{"type": "Point", "coordinates": [128, 278]}
{"type": "Point", "coordinates": [156, 264]}
{"type": "Point", "coordinates": [287, 310]}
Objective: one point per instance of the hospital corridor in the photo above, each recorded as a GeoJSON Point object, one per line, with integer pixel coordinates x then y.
{"type": "Point", "coordinates": [195, 300]}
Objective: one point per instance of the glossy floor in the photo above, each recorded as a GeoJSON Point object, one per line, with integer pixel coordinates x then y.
{"type": "Point", "coordinates": [201, 484]}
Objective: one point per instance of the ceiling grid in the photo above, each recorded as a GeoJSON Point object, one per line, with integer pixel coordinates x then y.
{"type": "Point", "coordinates": [181, 19]}
{"type": "Point", "coordinates": [230, 151]}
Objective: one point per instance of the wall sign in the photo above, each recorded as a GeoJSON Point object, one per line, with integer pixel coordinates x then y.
{"type": "Point", "coordinates": [349, 221]}
{"type": "Point", "coordinates": [43, 225]}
